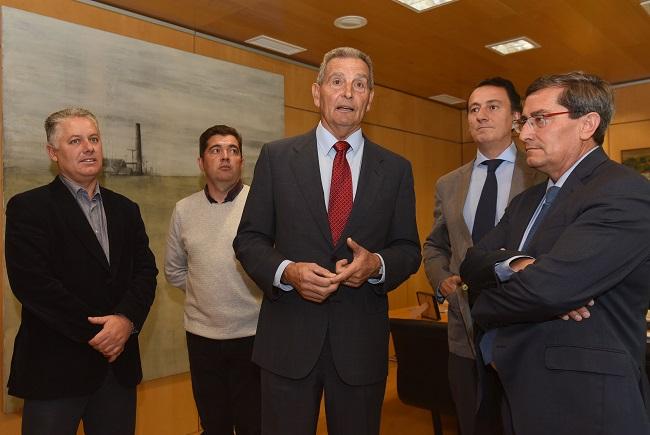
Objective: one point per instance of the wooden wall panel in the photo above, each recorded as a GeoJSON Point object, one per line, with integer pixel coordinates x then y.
{"type": "Point", "coordinates": [86, 15]}
{"type": "Point", "coordinates": [430, 158]}
{"type": "Point", "coordinates": [628, 136]}
{"type": "Point", "coordinates": [632, 103]}
{"type": "Point", "coordinates": [414, 114]}
{"type": "Point", "coordinates": [297, 121]}
{"type": "Point", "coordinates": [630, 127]}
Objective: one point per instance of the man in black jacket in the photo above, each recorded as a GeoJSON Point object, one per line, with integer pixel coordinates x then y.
{"type": "Point", "coordinates": [79, 262]}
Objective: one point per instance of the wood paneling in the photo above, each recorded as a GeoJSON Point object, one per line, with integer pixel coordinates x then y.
{"type": "Point", "coordinates": [628, 136]}
{"type": "Point", "coordinates": [632, 103]}
{"type": "Point", "coordinates": [630, 127]}
{"type": "Point", "coordinates": [441, 51]}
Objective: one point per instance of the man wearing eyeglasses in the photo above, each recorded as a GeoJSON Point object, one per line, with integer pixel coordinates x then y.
{"type": "Point", "coordinates": [469, 202]}
{"type": "Point", "coordinates": [580, 239]}
{"type": "Point", "coordinates": [221, 302]}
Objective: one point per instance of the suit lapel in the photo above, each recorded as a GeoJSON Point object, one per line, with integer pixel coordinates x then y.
{"type": "Point", "coordinates": [529, 204]}
{"type": "Point", "coordinates": [460, 196]}
{"type": "Point", "coordinates": [73, 216]}
{"type": "Point", "coordinates": [574, 182]}
{"type": "Point", "coordinates": [369, 183]}
{"type": "Point", "coordinates": [115, 227]}
{"type": "Point", "coordinates": [304, 164]}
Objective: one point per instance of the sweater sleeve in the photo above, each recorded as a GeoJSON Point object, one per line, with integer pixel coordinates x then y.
{"type": "Point", "coordinates": [175, 254]}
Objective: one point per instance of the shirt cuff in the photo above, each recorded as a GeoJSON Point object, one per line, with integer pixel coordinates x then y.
{"type": "Point", "coordinates": [382, 272]}
{"type": "Point", "coordinates": [439, 296]}
{"type": "Point", "coordinates": [278, 276]}
{"type": "Point", "coordinates": [503, 270]}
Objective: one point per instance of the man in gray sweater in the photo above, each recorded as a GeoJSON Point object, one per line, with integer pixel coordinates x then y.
{"type": "Point", "coordinates": [221, 302]}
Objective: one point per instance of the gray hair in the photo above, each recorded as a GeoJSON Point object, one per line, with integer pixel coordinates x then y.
{"type": "Point", "coordinates": [582, 93]}
{"type": "Point", "coordinates": [52, 121]}
{"type": "Point", "coordinates": [346, 52]}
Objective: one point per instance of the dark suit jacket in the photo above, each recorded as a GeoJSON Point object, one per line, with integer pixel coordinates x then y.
{"type": "Point", "coordinates": [59, 273]}
{"type": "Point", "coordinates": [567, 377]}
{"type": "Point", "coordinates": [285, 218]}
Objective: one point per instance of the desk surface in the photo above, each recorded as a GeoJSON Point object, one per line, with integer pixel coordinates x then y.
{"type": "Point", "coordinates": [415, 312]}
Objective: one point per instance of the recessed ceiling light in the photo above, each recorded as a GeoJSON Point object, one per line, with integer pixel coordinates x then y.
{"type": "Point", "coordinates": [350, 22]}
{"type": "Point", "coordinates": [423, 5]}
{"type": "Point", "coordinates": [447, 99]}
{"type": "Point", "coordinates": [513, 45]}
{"type": "Point", "coordinates": [275, 45]}
{"type": "Point", "coordinates": [645, 4]}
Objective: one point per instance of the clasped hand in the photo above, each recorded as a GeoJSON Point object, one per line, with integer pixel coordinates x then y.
{"type": "Point", "coordinates": [110, 341]}
{"type": "Point", "coordinates": [315, 283]}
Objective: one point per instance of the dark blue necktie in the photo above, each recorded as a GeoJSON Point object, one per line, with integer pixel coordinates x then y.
{"type": "Point", "coordinates": [486, 210]}
{"type": "Point", "coordinates": [551, 193]}
{"type": "Point", "coordinates": [487, 340]}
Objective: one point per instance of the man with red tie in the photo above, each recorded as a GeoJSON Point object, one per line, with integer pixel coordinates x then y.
{"type": "Point", "coordinates": [327, 231]}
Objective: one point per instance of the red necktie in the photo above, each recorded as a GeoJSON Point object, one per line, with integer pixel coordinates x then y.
{"type": "Point", "coordinates": [340, 203]}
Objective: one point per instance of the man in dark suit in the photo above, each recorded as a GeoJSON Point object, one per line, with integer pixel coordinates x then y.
{"type": "Point", "coordinates": [78, 260]}
{"type": "Point", "coordinates": [328, 229]}
{"type": "Point", "coordinates": [580, 239]}
{"type": "Point", "coordinates": [467, 207]}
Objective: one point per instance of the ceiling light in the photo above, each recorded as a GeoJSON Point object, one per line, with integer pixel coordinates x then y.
{"type": "Point", "coordinates": [513, 45]}
{"type": "Point", "coordinates": [447, 99]}
{"type": "Point", "coordinates": [350, 22]}
{"type": "Point", "coordinates": [423, 5]}
{"type": "Point", "coordinates": [275, 45]}
{"type": "Point", "coordinates": [645, 4]}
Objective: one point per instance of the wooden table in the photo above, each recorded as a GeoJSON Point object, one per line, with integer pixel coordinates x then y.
{"type": "Point", "coordinates": [415, 312]}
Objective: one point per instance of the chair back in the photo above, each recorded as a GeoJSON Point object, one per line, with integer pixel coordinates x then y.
{"type": "Point", "coordinates": [422, 359]}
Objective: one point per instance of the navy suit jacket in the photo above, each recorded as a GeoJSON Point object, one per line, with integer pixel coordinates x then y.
{"type": "Point", "coordinates": [59, 273]}
{"type": "Point", "coordinates": [567, 377]}
{"type": "Point", "coordinates": [285, 218]}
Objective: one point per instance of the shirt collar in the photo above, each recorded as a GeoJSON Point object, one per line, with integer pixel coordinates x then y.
{"type": "Point", "coordinates": [230, 196]}
{"type": "Point", "coordinates": [560, 181]}
{"type": "Point", "coordinates": [326, 140]}
{"type": "Point", "coordinates": [508, 155]}
{"type": "Point", "coordinates": [75, 188]}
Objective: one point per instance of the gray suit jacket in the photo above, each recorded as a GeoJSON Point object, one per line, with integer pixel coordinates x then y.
{"type": "Point", "coordinates": [444, 249]}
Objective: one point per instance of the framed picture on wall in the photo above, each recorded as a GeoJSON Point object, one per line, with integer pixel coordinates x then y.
{"type": "Point", "coordinates": [637, 159]}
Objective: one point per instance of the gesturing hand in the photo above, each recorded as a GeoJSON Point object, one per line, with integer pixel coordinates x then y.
{"type": "Point", "coordinates": [364, 265]}
{"type": "Point", "coordinates": [313, 282]}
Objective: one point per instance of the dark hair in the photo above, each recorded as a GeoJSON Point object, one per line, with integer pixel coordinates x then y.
{"type": "Point", "coordinates": [513, 95]}
{"type": "Point", "coordinates": [221, 130]}
{"type": "Point", "coordinates": [582, 93]}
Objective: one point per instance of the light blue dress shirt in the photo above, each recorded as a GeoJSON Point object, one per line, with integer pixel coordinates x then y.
{"type": "Point", "coordinates": [477, 180]}
{"type": "Point", "coordinates": [325, 142]}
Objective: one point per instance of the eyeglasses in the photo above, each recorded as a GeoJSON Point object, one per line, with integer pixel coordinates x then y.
{"type": "Point", "coordinates": [535, 121]}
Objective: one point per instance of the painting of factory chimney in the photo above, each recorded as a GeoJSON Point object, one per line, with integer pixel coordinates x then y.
{"type": "Point", "coordinates": [121, 166]}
